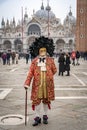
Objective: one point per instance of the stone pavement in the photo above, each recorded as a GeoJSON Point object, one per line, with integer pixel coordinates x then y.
{"type": "Point", "coordinates": [69, 110]}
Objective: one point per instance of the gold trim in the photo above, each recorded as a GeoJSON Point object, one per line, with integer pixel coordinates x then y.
{"type": "Point", "coordinates": [42, 91]}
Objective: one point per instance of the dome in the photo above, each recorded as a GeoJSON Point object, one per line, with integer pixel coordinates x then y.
{"type": "Point", "coordinates": [43, 13]}
{"type": "Point", "coordinates": [70, 18]}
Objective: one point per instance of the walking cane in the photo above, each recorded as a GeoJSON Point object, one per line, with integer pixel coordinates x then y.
{"type": "Point", "coordinates": [26, 107]}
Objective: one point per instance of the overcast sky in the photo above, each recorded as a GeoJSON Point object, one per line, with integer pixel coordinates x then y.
{"type": "Point", "coordinates": [12, 8]}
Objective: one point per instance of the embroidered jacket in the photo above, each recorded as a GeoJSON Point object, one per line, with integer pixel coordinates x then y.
{"type": "Point", "coordinates": [34, 75]}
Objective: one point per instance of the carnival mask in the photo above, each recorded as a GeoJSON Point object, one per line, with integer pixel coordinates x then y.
{"type": "Point", "coordinates": [42, 52]}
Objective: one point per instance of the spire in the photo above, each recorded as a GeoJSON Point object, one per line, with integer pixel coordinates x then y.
{"type": "Point", "coordinates": [33, 11]}
{"type": "Point", "coordinates": [42, 6]}
{"type": "Point", "coordinates": [48, 8]}
{"type": "Point", "coordinates": [70, 13]}
{"type": "Point", "coordinates": [7, 23]}
{"type": "Point", "coordinates": [3, 22]}
{"type": "Point", "coordinates": [26, 15]}
{"type": "Point", "coordinates": [13, 20]}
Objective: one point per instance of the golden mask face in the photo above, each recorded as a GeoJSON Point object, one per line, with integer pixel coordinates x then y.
{"type": "Point", "coordinates": [42, 51]}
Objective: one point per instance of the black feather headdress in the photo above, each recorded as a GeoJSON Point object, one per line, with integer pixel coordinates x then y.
{"type": "Point", "coordinates": [40, 43]}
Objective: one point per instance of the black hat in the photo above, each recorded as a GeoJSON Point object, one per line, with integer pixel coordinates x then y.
{"type": "Point", "coordinates": [42, 42]}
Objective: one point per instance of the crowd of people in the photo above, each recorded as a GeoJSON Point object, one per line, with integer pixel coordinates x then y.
{"type": "Point", "coordinates": [13, 57]}
{"type": "Point", "coordinates": [7, 57]}
{"type": "Point", "coordinates": [64, 59]}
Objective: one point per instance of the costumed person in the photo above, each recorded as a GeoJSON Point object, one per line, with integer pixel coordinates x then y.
{"type": "Point", "coordinates": [42, 69]}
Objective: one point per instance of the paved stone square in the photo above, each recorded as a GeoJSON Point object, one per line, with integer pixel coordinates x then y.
{"type": "Point", "coordinates": [69, 110]}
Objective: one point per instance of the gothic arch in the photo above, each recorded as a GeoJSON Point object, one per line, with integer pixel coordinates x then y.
{"type": "Point", "coordinates": [7, 45]}
{"type": "Point", "coordinates": [60, 45]}
{"type": "Point", "coordinates": [70, 41]}
{"type": "Point", "coordinates": [34, 29]}
{"type": "Point", "coordinates": [18, 45]}
{"type": "Point", "coordinates": [70, 45]}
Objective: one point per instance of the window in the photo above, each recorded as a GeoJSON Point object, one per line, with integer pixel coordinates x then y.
{"type": "Point", "coordinates": [81, 10]}
{"type": "Point", "coordinates": [81, 35]}
{"type": "Point", "coordinates": [81, 23]}
{"type": "Point", "coordinates": [19, 34]}
{"type": "Point", "coordinates": [34, 28]}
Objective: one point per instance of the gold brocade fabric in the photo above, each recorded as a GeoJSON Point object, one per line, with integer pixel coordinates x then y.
{"type": "Point", "coordinates": [42, 92]}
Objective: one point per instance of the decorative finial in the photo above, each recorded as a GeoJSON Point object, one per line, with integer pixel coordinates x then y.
{"type": "Point", "coordinates": [33, 11]}
{"type": "Point", "coordinates": [70, 8]}
{"type": "Point", "coordinates": [70, 13]}
{"type": "Point", "coordinates": [26, 10]}
{"type": "Point", "coordinates": [48, 2]}
{"type": "Point", "coordinates": [48, 7]}
{"type": "Point", "coordinates": [42, 6]}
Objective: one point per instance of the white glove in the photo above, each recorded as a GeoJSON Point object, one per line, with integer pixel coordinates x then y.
{"type": "Point", "coordinates": [26, 86]}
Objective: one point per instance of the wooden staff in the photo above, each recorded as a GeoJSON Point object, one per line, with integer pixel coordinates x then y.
{"type": "Point", "coordinates": [26, 107]}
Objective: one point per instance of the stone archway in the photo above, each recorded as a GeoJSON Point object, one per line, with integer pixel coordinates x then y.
{"type": "Point", "coordinates": [60, 43]}
{"type": "Point", "coordinates": [71, 45]}
{"type": "Point", "coordinates": [18, 45]}
{"type": "Point", "coordinates": [34, 29]}
{"type": "Point", "coordinates": [7, 45]}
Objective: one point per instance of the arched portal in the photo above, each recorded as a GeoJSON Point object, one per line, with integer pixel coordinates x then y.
{"type": "Point", "coordinates": [34, 29]}
{"type": "Point", "coordinates": [18, 45]}
{"type": "Point", "coordinates": [70, 45]}
{"type": "Point", "coordinates": [7, 45]}
{"type": "Point", "coordinates": [60, 45]}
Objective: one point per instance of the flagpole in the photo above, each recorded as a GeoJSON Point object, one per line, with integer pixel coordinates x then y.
{"type": "Point", "coordinates": [48, 9]}
{"type": "Point", "coordinates": [22, 24]}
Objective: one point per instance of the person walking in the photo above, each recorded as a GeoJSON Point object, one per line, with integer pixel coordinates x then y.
{"type": "Point", "coordinates": [77, 57]}
{"type": "Point", "coordinates": [42, 70]}
{"type": "Point", "coordinates": [4, 57]}
{"type": "Point", "coordinates": [13, 57]}
{"type": "Point", "coordinates": [8, 57]}
{"type": "Point", "coordinates": [67, 64]}
{"type": "Point", "coordinates": [0, 56]}
{"type": "Point", "coordinates": [17, 57]}
{"type": "Point", "coordinates": [61, 62]}
{"type": "Point", "coordinates": [85, 55]}
{"type": "Point", "coordinates": [27, 57]}
{"type": "Point", "coordinates": [73, 57]}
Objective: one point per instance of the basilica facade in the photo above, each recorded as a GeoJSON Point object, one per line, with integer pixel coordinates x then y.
{"type": "Point", "coordinates": [18, 37]}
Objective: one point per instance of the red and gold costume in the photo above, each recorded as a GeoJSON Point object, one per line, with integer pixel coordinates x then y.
{"type": "Point", "coordinates": [43, 83]}
{"type": "Point", "coordinates": [41, 72]}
